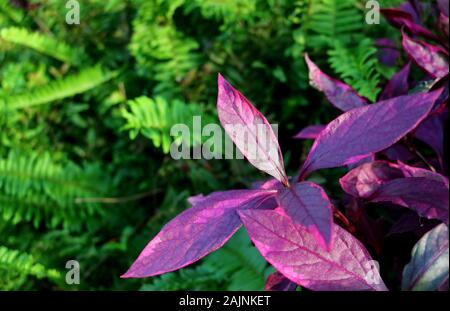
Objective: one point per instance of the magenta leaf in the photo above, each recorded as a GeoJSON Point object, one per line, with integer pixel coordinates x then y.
{"type": "Point", "coordinates": [398, 85]}
{"type": "Point", "coordinates": [338, 93]}
{"type": "Point", "coordinates": [196, 232]}
{"type": "Point", "coordinates": [250, 131]}
{"type": "Point", "coordinates": [363, 131]}
{"type": "Point", "coordinates": [295, 253]}
{"type": "Point", "coordinates": [428, 197]}
{"type": "Point", "coordinates": [428, 269]}
{"type": "Point", "coordinates": [309, 206]}
{"type": "Point", "coordinates": [431, 59]}
{"type": "Point", "coordinates": [399, 18]}
{"type": "Point", "coordinates": [364, 180]}
{"type": "Point", "coordinates": [278, 282]}
{"type": "Point", "coordinates": [310, 132]}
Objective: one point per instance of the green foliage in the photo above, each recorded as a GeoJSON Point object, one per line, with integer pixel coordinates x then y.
{"type": "Point", "coordinates": [85, 80]}
{"type": "Point", "coordinates": [35, 188]}
{"type": "Point", "coordinates": [15, 266]}
{"type": "Point", "coordinates": [334, 21]}
{"type": "Point", "coordinates": [359, 69]}
{"type": "Point", "coordinates": [229, 11]}
{"type": "Point", "coordinates": [239, 263]}
{"type": "Point", "coordinates": [160, 48]}
{"type": "Point", "coordinates": [43, 44]}
{"type": "Point", "coordinates": [154, 119]}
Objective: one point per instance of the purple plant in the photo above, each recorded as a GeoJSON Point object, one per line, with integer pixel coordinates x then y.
{"type": "Point", "coordinates": [293, 223]}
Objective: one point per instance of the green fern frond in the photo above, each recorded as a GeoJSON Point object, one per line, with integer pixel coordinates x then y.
{"type": "Point", "coordinates": [357, 66]}
{"type": "Point", "coordinates": [44, 44]}
{"type": "Point", "coordinates": [154, 118]}
{"type": "Point", "coordinates": [324, 21]}
{"type": "Point", "coordinates": [16, 266]}
{"type": "Point", "coordinates": [75, 84]}
{"type": "Point", "coordinates": [229, 11]}
{"type": "Point", "coordinates": [10, 12]}
{"type": "Point", "coordinates": [36, 188]}
{"type": "Point", "coordinates": [163, 53]}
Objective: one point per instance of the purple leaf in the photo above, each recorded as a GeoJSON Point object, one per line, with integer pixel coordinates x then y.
{"type": "Point", "coordinates": [387, 52]}
{"type": "Point", "coordinates": [399, 18]}
{"type": "Point", "coordinates": [309, 206]}
{"type": "Point", "coordinates": [364, 180]}
{"type": "Point", "coordinates": [428, 197]}
{"type": "Point", "coordinates": [431, 132]}
{"type": "Point", "coordinates": [196, 232]}
{"type": "Point", "coordinates": [398, 85]}
{"type": "Point", "coordinates": [278, 282]}
{"type": "Point", "coordinates": [431, 59]}
{"type": "Point", "coordinates": [338, 93]}
{"type": "Point", "coordinates": [295, 253]}
{"type": "Point", "coordinates": [250, 131]}
{"type": "Point", "coordinates": [363, 131]}
{"type": "Point", "coordinates": [428, 269]}
{"type": "Point", "coordinates": [310, 132]}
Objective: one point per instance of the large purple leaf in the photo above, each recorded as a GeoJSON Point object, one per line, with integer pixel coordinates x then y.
{"type": "Point", "coordinates": [428, 197]}
{"type": "Point", "coordinates": [310, 132]}
{"type": "Point", "coordinates": [398, 85]}
{"type": "Point", "coordinates": [431, 59]}
{"type": "Point", "coordinates": [363, 131]}
{"type": "Point", "coordinates": [338, 93]}
{"type": "Point", "coordinates": [294, 252]}
{"type": "Point", "coordinates": [309, 206]}
{"type": "Point", "coordinates": [428, 269]}
{"type": "Point", "coordinates": [399, 18]}
{"type": "Point", "coordinates": [196, 232]}
{"type": "Point", "coordinates": [250, 131]}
